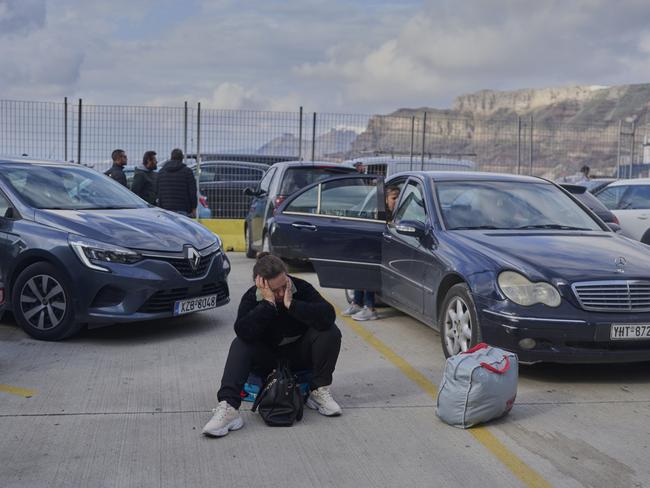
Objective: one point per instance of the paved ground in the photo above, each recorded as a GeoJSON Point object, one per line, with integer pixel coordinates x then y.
{"type": "Point", "coordinates": [124, 406]}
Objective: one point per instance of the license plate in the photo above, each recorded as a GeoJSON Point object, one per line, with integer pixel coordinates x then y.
{"type": "Point", "coordinates": [195, 304]}
{"type": "Point", "coordinates": [629, 331]}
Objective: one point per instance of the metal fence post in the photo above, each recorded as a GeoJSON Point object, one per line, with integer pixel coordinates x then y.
{"type": "Point", "coordinates": [185, 130]}
{"type": "Point", "coordinates": [198, 156]}
{"type": "Point", "coordinates": [412, 141]}
{"type": "Point", "coordinates": [313, 139]}
{"type": "Point", "coordinates": [65, 129]}
{"type": "Point", "coordinates": [518, 145]}
{"type": "Point", "coordinates": [618, 155]}
{"type": "Point", "coordinates": [300, 136]}
{"type": "Point", "coordinates": [631, 173]}
{"type": "Point", "coordinates": [531, 145]}
{"type": "Point", "coordinates": [79, 134]}
{"type": "Point", "coordinates": [424, 131]}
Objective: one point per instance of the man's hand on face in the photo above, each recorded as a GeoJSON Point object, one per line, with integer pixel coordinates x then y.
{"type": "Point", "coordinates": [288, 293]}
{"type": "Point", "coordinates": [265, 289]}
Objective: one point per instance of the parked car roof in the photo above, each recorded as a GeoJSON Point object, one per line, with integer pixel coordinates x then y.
{"type": "Point", "coordinates": [472, 176]}
{"type": "Point", "coordinates": [634, 181]}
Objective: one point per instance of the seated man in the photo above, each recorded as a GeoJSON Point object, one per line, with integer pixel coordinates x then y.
{"type": "Point", "coordinates": [279, 317]}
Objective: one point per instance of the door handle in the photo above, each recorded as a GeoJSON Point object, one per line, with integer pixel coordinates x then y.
{"type": "Point", "coordinates": [304, 226]}
{"type": "Point", "coordinates": [387, 236]}
{"type": "Point", "coordinates": [643, 217]}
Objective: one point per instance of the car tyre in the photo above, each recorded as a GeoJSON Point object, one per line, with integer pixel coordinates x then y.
{"type": "Point", "coordinates": [250, 252]}
{"type": "Point", "coordinates": [42, 303]}
{"type": "Point", "coordinates": [458, 321]}
{"type": "Point", "coordinates": [645, 239]}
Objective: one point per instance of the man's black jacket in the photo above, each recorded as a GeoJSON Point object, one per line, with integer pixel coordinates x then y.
{"type": "Point", "coordinates": [144, 185]}
{"type": "Point", "coordinates": [117, 173]}
{"type": "Point", "coordinates": [176, 186]}
{"type": "Point", "coordinates": [259, 321]}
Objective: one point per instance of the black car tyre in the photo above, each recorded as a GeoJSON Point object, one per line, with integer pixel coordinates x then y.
{"type": "Point", "coordinates": [42, 303]}
{"type": "Point", "coordinates": [646, 237]}
{"type": "Point", "coordinates": [250, 252]}
{"type": "Point", "coordinates": [458, 320]}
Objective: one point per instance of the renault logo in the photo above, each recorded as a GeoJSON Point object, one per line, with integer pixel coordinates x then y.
{"type": "Point", "coordinates": [193, 256]}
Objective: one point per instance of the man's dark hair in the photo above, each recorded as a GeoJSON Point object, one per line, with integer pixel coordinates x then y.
{"type": "Point", "coordinates": [115, 155]}
{"type": "Point", "coordinates": [584, 169]}
{"type": "Point", "coordinates": [177, 154]}
{"type": "Point", "coordinates": [268, 266]}
{"type": "Point", "coordinates": [147, 156]}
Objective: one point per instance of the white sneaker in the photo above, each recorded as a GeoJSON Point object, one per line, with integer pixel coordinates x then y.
{"type": "Point", "coordinates": [225, 418]}
{"type": "Point", "coordinates": [351, 310]}
{"type": "Point", "coordinates": [365, 314]}
{"type": "Point", "coordinates": [321, 399]}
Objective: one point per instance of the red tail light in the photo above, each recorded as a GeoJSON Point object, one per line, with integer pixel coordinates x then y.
{"type": "Point", "coordinates": [616, 219]}
{"type": "Point", "coordinates": [2, 296]}
{"type": "Point", "coordinates": [276, 203]}
{"type": "Point", "coordinates": [203, 201]}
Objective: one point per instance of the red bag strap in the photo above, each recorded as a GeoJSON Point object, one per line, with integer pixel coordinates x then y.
{"type": "Point", "coordinates": [491, 368]}
{"type": "Point", "coordinates": [477, 347]}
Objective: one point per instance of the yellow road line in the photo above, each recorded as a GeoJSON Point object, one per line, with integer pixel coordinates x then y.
{"type": "Point", "coordinates": [521, 470]}
{"type": "Point", "coordinates": [14, 390]}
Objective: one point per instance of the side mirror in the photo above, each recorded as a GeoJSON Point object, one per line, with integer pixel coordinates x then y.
{"type": "Point", "coordinates": [614, 227]}
{"type": "Point", "coordinates": [249, 192]}
{"type": "Point", "coordinates": [411, 228]}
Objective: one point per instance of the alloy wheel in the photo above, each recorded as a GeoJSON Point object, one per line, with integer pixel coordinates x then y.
{"type": "Point", "coordinates": [457, 326]}
{"type": "Point", "coordinates": [42, 302]}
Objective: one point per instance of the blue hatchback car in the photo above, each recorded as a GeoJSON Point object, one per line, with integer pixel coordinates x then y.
{"type": "Point", "coordinates": [510, 260]}
{"type": "Point", "coordinates": [78, 248]}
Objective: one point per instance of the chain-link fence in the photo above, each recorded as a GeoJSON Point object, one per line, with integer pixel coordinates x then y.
{"type": "Point", "coordinates": [87, 134]}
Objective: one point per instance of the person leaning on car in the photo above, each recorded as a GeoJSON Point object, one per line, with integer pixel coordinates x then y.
{"type": "Point", "coordinates": [279, 317]}
{"type": "Point", "coordinates": [144, 178]}
{"type": "Point", "coordinates": [117, 170]}
{"type": "Point", "coordinates": [176, 186]}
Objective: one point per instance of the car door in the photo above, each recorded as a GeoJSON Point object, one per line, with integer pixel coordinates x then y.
{"type": "Point", "coordinates": [338, 224]}
{"type": "Point", "coordinates": [7, 247]}
{"type": "Point", "coordinates": [260, 206]}
{"type": "Point", "coordinates": [406, 257]}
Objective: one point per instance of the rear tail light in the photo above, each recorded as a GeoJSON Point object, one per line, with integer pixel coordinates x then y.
{"type": "Point", "coordinates": [203, 201]}
{"type": "Point", "coordinates": [615, 219]}
{"type": "Point", "coordinates": [2, 296]}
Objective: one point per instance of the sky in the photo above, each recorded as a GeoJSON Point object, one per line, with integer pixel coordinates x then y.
{"type": "Point", "coordinates": [336, 56]}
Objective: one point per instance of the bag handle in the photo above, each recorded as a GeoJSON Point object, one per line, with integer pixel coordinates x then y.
{"type": "Point", "coordinates": [477, 347]}
{"type": "Point", "coordinates": [491, 368]}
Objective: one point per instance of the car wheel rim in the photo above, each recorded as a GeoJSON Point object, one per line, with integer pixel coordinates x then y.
{"type": "Point", "coordinates": [42, 302]}
{"type": "Point", "coordinates": [458, 327]}
{"type": "Point", "coordinates": [265, 245]}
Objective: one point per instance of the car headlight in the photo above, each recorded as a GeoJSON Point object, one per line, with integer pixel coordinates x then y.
{"type": "Point", "coordinates": [522, 291]}
{"type": "Point", "coordinates": [91, 252]}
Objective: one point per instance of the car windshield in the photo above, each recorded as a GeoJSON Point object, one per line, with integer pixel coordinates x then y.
{"type": "Point", "coordinates": [509, 205]}
{"type": "Point", "coordinates": [297, 178]}
{"type": "Point", "coordinates": [67, 188]}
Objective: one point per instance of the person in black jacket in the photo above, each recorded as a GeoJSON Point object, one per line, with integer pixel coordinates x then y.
{"type": "Point", "coordinates": [117, 170]}
{"type": "Point", "coordinates": [281, 316]}
{"type": "Point", "coordinates": [144, 178]}
{"type": "Point", "coordinates": [177, 186]}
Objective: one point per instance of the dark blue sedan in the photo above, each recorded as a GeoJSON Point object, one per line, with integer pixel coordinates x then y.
{"type": "Point", "coordinates": [514, 261]}
{"type": "Point", "coordinates": [78, 248]}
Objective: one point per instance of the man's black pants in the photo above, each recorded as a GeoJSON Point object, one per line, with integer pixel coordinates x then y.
{"type": "Point", "coordinates": [317, 350]}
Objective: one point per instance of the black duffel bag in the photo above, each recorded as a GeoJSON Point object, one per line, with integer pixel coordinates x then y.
{"type": "Point", "coordinates": [280, 402]}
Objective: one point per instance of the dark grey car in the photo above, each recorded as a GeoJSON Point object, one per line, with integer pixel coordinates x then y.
{"type": "Point", "coordinates": [78, 248]}
{"type": "Point", "coordinates": [280, 181]}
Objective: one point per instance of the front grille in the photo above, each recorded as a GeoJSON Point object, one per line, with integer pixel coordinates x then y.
{"type": "Point", "coordinates": [163, 301]}
{"type": "Point", "coordinates": [183, 266]}
{"type": "Point", "coordinates": [613, 296]}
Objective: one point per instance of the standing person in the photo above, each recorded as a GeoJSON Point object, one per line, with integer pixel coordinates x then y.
{"type": "Point", "coordinates": [144, 178]}
{"type": "Point", "coordinates": [363, 304]}
{"type": "Point", "coordinates": [279, 317]}
{"type": "Point", "coordinates": [358, 165]}
{"type": "Point", "coordinates": [176, 186]}
{"type": "Point", "coordinates": [584, 174]}
{"type": "Point", "coordinates": [117, 170]}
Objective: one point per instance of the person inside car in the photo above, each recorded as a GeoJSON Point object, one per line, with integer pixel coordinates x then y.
{"type": "Point", "coordinates": [363, 304]}
{"type": "Point", "coordinates": [279, 317]}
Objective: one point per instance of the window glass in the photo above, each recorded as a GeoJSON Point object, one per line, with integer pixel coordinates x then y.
{"type": "Point", "coordinates": [297, 178]}
{"type": "Point", "coordinates": [305, 203]}
{"type": "Point", "coordinates": [611, 196]}
{"type": "Point", "coordinates": [237, 173]}
{"type": "Point", "coordinates": [411, 205]}
{"type": "Point", "coordinates": [636, 198]}
{"type": "Point", "coordinates": [265, 182]}
{"type": "Point", "coordinates": [350, 198]}
{"type": "Point", "coordinates": [207, 174]}
{"type": "Point", "coordinates": [4, 206]}
{"type": "Point", "coordinates": [509, 205]}
{"type": "Point", "coordinates": [68, 188]}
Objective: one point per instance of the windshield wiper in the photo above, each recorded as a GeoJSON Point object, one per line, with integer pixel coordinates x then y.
{"type": "Point", "coordinates": [551, 226]}
{"type": "Point", "coordinates": [476, 227]}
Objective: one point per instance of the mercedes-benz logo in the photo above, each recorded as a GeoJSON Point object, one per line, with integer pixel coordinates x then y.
{"type": "Point", "coordinates": [193, 256]}
{"type": "Point", "coordinates": [620, 264]}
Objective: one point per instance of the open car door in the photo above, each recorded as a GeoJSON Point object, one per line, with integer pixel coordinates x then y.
{"type": "Point", "coordinates": [338, 225]}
